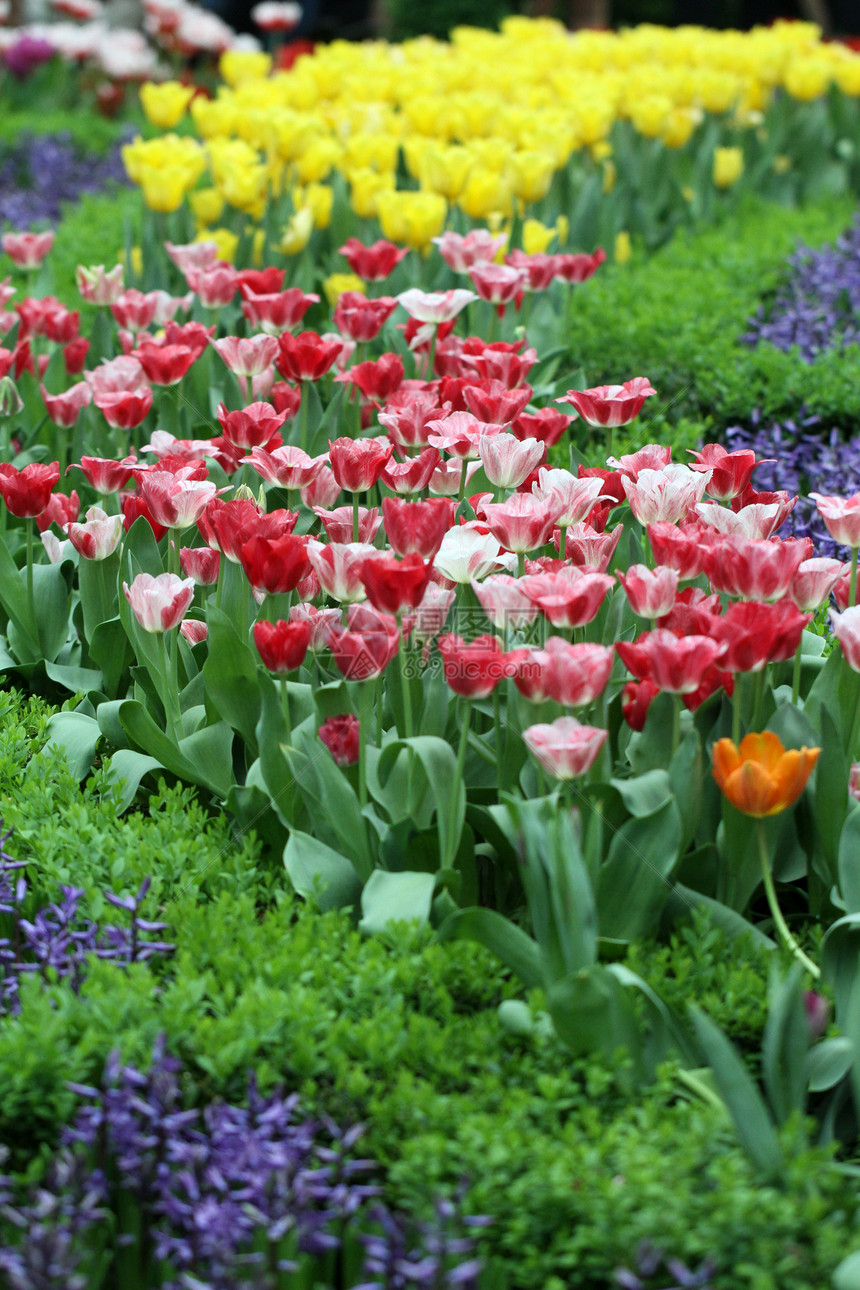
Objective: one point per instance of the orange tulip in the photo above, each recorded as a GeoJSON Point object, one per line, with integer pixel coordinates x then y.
{"type": "Point", "coordinates": [760, 777]}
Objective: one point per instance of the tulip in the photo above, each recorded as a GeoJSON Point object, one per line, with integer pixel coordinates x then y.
{"type": "Point", "coordinates": [376, 380]}
{"type": "Point", "coordinates": [126, 409]}
{"type": "Point", "coordinates": [611, 405]}
{"type": "Point", "coordinates": [466, 553]}
{"type": "Point", "coordinates": [288, 467]}
{"type": "Point", "coordinates": [474, 670]}
{"type": "Point", "coordinates": [676, 665]}
{"type": "Point", "coordinates": [340, 736]}
{"type": "Point", "coordinates": [358, 463]}
{"type": "Point", "coordinates": [193, 631]}
{"type": "Point", "coordinates": [571, 499]}
{"type": "Point", "coordinates": [64, 409]}
{"type": "Point", "coordinates": [651, 592]}
{"type": "Point", "coordinates": [755, 521]}
{"type": "Point", "coordinates": [27, 492]}
{"type": "Point", "coordinates": [247, 356]}
{"type": "Point", "coordinates": [347, 523]}
{"type": "Point", "coordinates": [214, 286]}
{"type": "Point", "coordinates": [450, 478]}
{"type": "Point", "coordinates": [756, 634]}
{"type": "Point", "coordinates": [570, 598]}
{"type": "Point", "coordinates": [165, 364]}
{"type": "Point", "coordinates": [277, 311]}
{"type": "Point", "coordinates": [135, 309]}
{"type": "Point", "coordinates": [27, 250]}
{"type": "Point", "coordinates": [664, 495]}
{"type": "Point", "coordinates": [566, 749]}
{"type": "Point", "coordinates": [417, 527]}
{"type": "Point", "coordinates": [522, 523]}
{"type": "Point", "coordinates": [504, 601]}
{"type": "Point", "coordinates": [435, 306]}
{"type": "Point", "coordinates": [505, 363]}
{"type": "Point", "coordinates": [61, 510]}
{"type": "Point", "coordinates": [636, 699]}
{"type": "Point", "coordinates": [173, 501]}
{"type": "Point", "coordinates": [252, 426]}
{"type": "Point", "coordinates": [846, 629]}
{"type": "Point", "coordinates": [460, 434]}
{"type": "Point", "coordinates": [305, 357]}
{"type": "Point", "coordinates": [677, 549]}
{"type": "Point", "coordinates": [159, 603]}
{"type": "Point", "coordinates": [201, 564]}
{"type": "Point", "coordinates": [375, 262]}
{"type": "Point", "coordinates": [361, 319]}
{"type": "Point", "coordinates": [412, 475]}
{"type": "Point", "coordinates": [282, 646]}
{"type": "Point", "coordinates": [460, 252]}
{"type": "Point", "coordinates": [584, 546]}
{"type": "Point", "coordinates": [492, 401]}
{"type": "Point", "coordinates": [755, 569]}
{"type": "Point", "coordinates": [324, 490]}
{"type": "Point", "coordinates": [730, 472]}
{"type": "Point", "coordinates": [135, 508]}
{"type": "Point", "coordinates": [338, 568]}
{"type": "Point", "coordinates": [98, 537]}
{"type": "Point", "coordinates": [760, 777]}
{"type": "Point", "coordinates": [814, 581]}
{"type": "Point", "coordinates": [366, 645]}
{"type": "Point", "coordinates": [507, 461]}
{"type": "Point", "coordinates": [392, 584]}
{"type": "Point", "coordinates": [499, 284]}
{"type": "Point", "coordinates": [98, 287]}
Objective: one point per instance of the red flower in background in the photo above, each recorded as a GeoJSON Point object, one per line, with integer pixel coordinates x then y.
{"type": "Point", "coordinates": [282, 646]}
{"type": "Point", "coordinates": [27, 492]}
{"type": "Point", "coordinates": [375, 262]}
{"type": "Point", "coordinates": [340, 736]}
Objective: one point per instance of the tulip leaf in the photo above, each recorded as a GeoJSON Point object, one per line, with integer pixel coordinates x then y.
{"type": "Point", "coordinates": [849, 860]}
{"type": "Point", "coordinates": [847, 1275]}
{"type": "Point", "coordinates": [76, 736]}
{"type": "Point", "coordinates": [230, 678]}
{"type": "Point", "coordinates": [840, 954]}
{"type": "Point", "coordinates": [126, 769]}
{"type": "Point", "coordinates": [331, 801]}
{"type": "Point", "coordinates": [644, 794]}
{"type": "Point", "coordinates": [141, 728]}
{"type": "Point", "coordinates": [685, 776]}
{"type": "Point", "coordinates": [784, 1047]}
{"type": "Point", "coordinates": [274, 769]}
{"type": "Point", "coordinates": [97, 584]}
{"type": "Point", "coordinates": [403, 897]}
{"type": "Point", "coordinates": [13, 598]}
{"type": "Point", "coordinates": [440, 766]}
{"type": "Point", "coordinates": [509, 943]}
{"type": "Point", "coordinates": [51, 601]}
{"type": "Point", "coordinates": [319, 873]}
{"type": "Point", "coordinates": [828, 1063]}
{"type": "Point", "coordinates": [634, 881]}
{"type": "Point", "coordinates": [111, 649]}
{"type": "Point", "coordinates": [738, 1091]}
{"type": "Point", "coordinates": [210, 749]}
{"type": "Point", "coordinates": [74, 679]}
{"type": "Point", "coordinates": [836, 689]}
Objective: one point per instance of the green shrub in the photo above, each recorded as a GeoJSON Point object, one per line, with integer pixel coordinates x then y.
{"type": "Point", "coordinates": [677, 317]}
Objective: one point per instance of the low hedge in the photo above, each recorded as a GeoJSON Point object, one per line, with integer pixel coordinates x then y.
{"type": "Point", "coordinates": [677, 317]}
{"type": "Point", "coordinates": [403, 1035]}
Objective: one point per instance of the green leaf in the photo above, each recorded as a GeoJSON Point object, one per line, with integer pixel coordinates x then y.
{"type": "Point", "coordinates": [51, 600]}
{"type": "Point", "coordinates": [633, 884]}
{"type": "Point", "coordinates": [849, 860]}
{"type": "Point", "coordinates": [320, 873]}
{"type": "Point", "coordinates": [828, 1063]}
{"type": "Point", "coordinates": [395, 898]}
{"type": "Point", "coordinates": [211, 751]}
{"type": "Point", "coordinates": [230, 678]}
{"type": "Point", "coordinates": [684, 899]}
{"type": "Point", "coordinates": [111, 649]}
{"type": "Point", "coordinates": [127, 768]}
{"type": "Point", "coordinates": [74, 679]}
{"type": "Point", "coordinates": [785, 1044]}
{"type": "Point", "coordinates": [13, 598]}
{"type": "Point", "coordinates": [440, 766]}
{"type": "Point", "coordinates": [76, 736]}
{"type": "Point", "coordinates": [508, 942]}
{"type": "Point", "coordinates": [831, 793]}
{"type": "Point", "coordinates": [644, 794]}
{"type": "Point", "coordinates": [840, 954]}
{"type": "Point", "coordinates": [847, 1275]}
{"type": "Point", "coordinates": [745, 1104]}
{"type": "Point", "coordinates": [141, 728]}
{"type": "Point", "coordinates": [836, 689]}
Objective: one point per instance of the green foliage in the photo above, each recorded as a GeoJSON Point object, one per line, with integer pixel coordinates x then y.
{"type": "Point", "coordinates": [647, 318]}
{"type": "Point", "coordinates": [405, 20]}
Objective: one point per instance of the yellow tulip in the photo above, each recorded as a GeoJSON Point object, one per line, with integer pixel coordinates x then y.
{"type": "Point", "coordinates": [412, 219]}
{"type": "Point", "coordinates": [213, 117]}
{"type": "Point", "coordinates": [445, 170]}
{"type": "Point", "coordinates": [537, 237]}
{"type": "Point", "coordinates": [336, 283]}
{"type": "Point", "coordinates": [165, 104]}
{"type": "Point", "coordinates": [610, 174]}
{"type": "Point", "coordinates": [650, 114]}
{"type": "Point", "coordinates": [532, 175]}
{"type": "Point", "coordinates": [623, 247]}
{"type": "Point", "coordinates": [207, 205]}
{"type": "Point", "coordinates": [240, 65]}
{"type": "Point", "coordinates": [319, 199]}
{"type": "Point", "coordinates": [679, 125]}
{"type": "Point", "coordinates": [728, 166]}
{"type": "Point", "coordinates": [807, 78]}
{"type": "Point", "coordinates": [163, 187]}
{"type": "Point", "coordinates": [486, 193]}
{"type": "Point", "coordinates": [316, 161]}
{"type": "Point", "coordinates": [224, 238]}
{"type": "Point", "coordinates": [365, 187]}
{"type": "Point", "coordinates": [245, 187]}
{"type": "Point", "coordinates": [298, 231]}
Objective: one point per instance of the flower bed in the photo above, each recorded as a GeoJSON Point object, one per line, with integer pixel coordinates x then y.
{"type": "Point", "coordinates": [393, 597]}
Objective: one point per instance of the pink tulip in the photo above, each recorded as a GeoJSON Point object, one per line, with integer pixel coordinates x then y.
{"type": "Point", "coordinates": [841, 516]}
{"type": "Point", "coordinates": [756, 570]}
{"type": "Point", "coordinates": [676, 664]}
{"type": "Point", "coordinates": [175, 502]}
{"type": "Point", "coordinates": [193, 631]}
{"type": "Point", "coordinates": [459, 434]}
{"type": "Point", "coordinates": [507, 461]}
{"type": "Point", "coordinates": [98, 537]}
{"type": "Point", "coordinates": [194, 255]}
{"type": "Point", "coordinates": [759, 520]}
{"type": "Point", "coordinates": [570, 498]}
{"type": "Point", "coordinates": [98, 287]}
{"type": "Point", "coordinates": [435, 306]}
{"type": "Point", "coordinates": [460, 252]}
{"type": "Point", "coordinates": [504, 601]}
{"type": "Point", "coordinates": [498, 284]}
{"type": "Point", "coordinates": [572, 675]}
{"type": "Point", "coordinates": [135, 309]}
{"type": "Point", "coordinates": [159, 603]}
{"type": "Point", "coordinates": [494, 401]}
{"type": "Point", "coordinates": [247, 356]}
{"type": "Point", "coordinates": [846, 629]}
{"type": "Point", "coordinates": [27, 250]}
{"type": "Point", "coordinates": [584, 546]}
{"type": "Point", "coordinates": [565, 748]}
{"type": "Point", "coordinates": [466, 553]}
{"type": "Point", "coordinates": [611, 405]}
{"type": "Point", "coordinates": [814, 581]}
{"type": "Point", "coordinates": [666, 494]}
{"type": "Point", "coordinates": [570, 598]}
{"type": "Point", "coordinates": [215, 286]}
{"type": "Point", "coordinates": [288, 467]}
{"type": "Point", "coordinates": [64, 409]}
{"type": "Point", "coordinates": [448, 476]}
{"type": "Point", "coordinates": [651, 592]}
{"type": "Point", "coordinates": [522, 523]}
{"type": "Point", "coordinates": [338, 568]}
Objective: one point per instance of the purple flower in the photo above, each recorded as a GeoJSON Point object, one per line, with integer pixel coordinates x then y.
{"type": "Point", "coordinates": [26, 54]}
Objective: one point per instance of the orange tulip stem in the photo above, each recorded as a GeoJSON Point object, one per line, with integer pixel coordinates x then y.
{"type": "Point", "coordinates": [779, 921]}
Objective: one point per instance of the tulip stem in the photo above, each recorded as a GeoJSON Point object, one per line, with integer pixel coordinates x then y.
{"type": "Point", "coordinates": [355, 517]}
{"type": "Point", "coordinates": [303, 417]}
{"type": "Point", "coordinates": [795, 679]}
{"type": "Point", "coordinates": [779, 921]}
{"type": "Point", "coordinates": [29, 528]}
{"type": "Point", "coordinates": [736, 713]}
{"type": "Point", "coordinates": [852, 585]}
{"type": "Point", "coordinates": [365, 692]}
{"type": "Point", "coordinates": [166, 694]}
{"type": "Point", "coordinates": [465, 724]}
{"type": "Point", "coordinates": [676, 723]}
{"type": "Point", "coordinates": [285, 709]}
{"type": "Point", "coordinates": [521, 563]}
{"type": "Point", "coordinates": [173, 546]}
{"type": "Point", "coordinates": [408, 729]}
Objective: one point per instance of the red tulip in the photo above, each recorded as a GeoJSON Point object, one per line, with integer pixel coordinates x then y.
{"type": "Point", "coordinates": [674, 664]}
{"type": "Point", "coordinates": [393, 585]}
{"type": "Point", "coordinates": [636, 699]}
{"type": "Point", "coordinates": [361, 319]}
{"type": "Point", "coordinates": [124, 409]}
{"type": "Point", "coordinates": [570, 598]}
{"type": "Point", "coordinates": [277, 311]}
{"type": "Point", "coordinates": [753, 569]}
{"type": "Point", "coordinates": [264, 282]}
{"type": "Point", "coordinates": [756, 634]}
{"type": "Point", "coordinates": [227, 525]}
{"type": "Point", "coordinates": [678, 549]}
{"type": "Point", "coordinates": [474, 670]}
{"type": "Point", "coordinates": [165, 364]}
{"type": "Point", "coordinates": [338, 524]}
{"type": "Point", "coordinates": [375, 262]}
{"type": "Point", "coordinates": [417, 527]}
{"type": "Point", "coordinates": [75, 355]}
{"type": "Point", "coordinates": [651, 592]}
{"type": "Point", "coordinates": [200, 563]}
{"type": "Point", "coordinates": [64, 409]}
{"type": "Point", "coordinates": [27, 492]}
{"type": "Point", "coordinates": [493, 402]}
{"type": "Point", "coordinates": [275, 565]}
{"type": "Point", "coordinates": [135, 309]}
{"type": "Point", "coordinates": [610, 405]}
{"type": "Point", "coordinates": [546, 424]}
{"type": "Point", "coordinates": [412, 475]}
{"type": "Point", "coordinates": [133, 508]}
{"type": "Point", "coordinates": [579, 267]}
{"type": "Point", "coordinates": [282, 646]}
{"type": "Point", "coordinates": [377, 380]}
{"type": "Point", "coordinates": [730, 471]}
{"type": "Point", "coordinates": [358, 463]}
{"type": "Point", "coordinates": [252, 426]}
{"type": "Point", "coordinates": [367, 644]}
{"type": "Point", "coordinates": [340, 736]}
{"type": "Point", "coordinates": [305, 357]}
{"type": "Point", "coordinates": [62, 510]}
{"type": "Point", "coordinates": [586, 546]}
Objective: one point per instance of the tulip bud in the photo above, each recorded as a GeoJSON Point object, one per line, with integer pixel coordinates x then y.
{"type": "Point", "coordinates": [11, 402]}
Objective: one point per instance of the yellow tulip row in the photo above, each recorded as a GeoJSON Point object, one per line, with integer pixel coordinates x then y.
{"type": "Point", "coordinates": [482, 123]}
